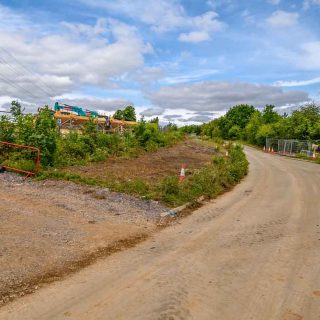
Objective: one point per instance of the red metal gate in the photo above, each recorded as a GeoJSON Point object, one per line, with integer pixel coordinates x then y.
{"type": "Point", "coordinates": [37, 160]}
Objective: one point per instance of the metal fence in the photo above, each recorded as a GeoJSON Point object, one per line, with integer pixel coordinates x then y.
{"type": "Point", "coordinates": [20, 158]}
{"type": "Point", "coordinates": [291, 147]}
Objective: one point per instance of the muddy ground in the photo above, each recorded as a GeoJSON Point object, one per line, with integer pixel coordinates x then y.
{"type": "Point", "coordinates": [51, 228]}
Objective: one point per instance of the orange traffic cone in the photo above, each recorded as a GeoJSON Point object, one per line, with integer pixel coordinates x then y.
{"type": "Point", "coordinates": [182, 173]}
{"type": "Point", "coordinates": [314, 155]}
{"type": "Point", "coordinates": [269, 150]}
{"type": "Point", "coordinates": [272, 150]}
{"type": "Point", "coordinates": [264, 148]}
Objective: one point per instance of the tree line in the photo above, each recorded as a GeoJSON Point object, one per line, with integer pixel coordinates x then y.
{"type": "Point", "coordinates": [247, 123]}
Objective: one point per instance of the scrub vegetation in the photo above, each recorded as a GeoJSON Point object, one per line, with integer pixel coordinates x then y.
{"type": "Point", "coordinates": [75, 148]}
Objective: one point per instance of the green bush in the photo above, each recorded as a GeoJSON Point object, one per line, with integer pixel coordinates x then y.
{"type": "Point", "coordinates": [237, 162]}
{"type": "Point", "coordinates": [78, 148]}
{"type": "Point", "coordinates": [208, 181]}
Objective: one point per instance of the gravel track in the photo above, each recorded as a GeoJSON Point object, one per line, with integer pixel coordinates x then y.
{"type": "Point", "coordinates": [251, 254]}
{"type": "Point", "coordinates": [52, 228]}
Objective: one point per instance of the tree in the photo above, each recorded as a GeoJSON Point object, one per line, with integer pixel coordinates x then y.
{"type": "Point", "coordinates": [238, 116]}
{"type": "Point", "coordinates": [265, 131]}
{"type": "Point", "coordinates": [154, 120]}
{"type": "Point", "coordinates": [212, 129]}
{"type": "Point", "coordinates": [192, 129]}
{"type": "Point", "coordinates": [304, 121]}
{"type": "Point", "coordinates": [6, 129]}
{"type": "Point", "coordinates": [128, 114]}
{"type": "Point", "coordinates": [235, 132]}
{"type": "Point", "coordinates": [118, 115]}
{"type": "Point", "coordinates": [16, 109]}
{"type": "Point", "coordinates": [253, 126]}
{"type": "Point", "coordinates": [44, 135]}
{"type": "Point", "coordinates": [270, 116]}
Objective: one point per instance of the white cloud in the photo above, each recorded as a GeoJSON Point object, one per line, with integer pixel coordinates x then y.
{"type": "Point", "coordinates": [184, 116]}
{"type": "Point", "coordinates": [226, 4]}
{"type": "Point", "coordinates": [211, 3]}
{"type": "Point", "coordinates": [151, 112]}
{"type": "Point", "coordinates": [4, 102]}
{"type": "Point", "coordinates": [100, 27]}
{"type": "Point", "coordinates": [148, 75]}
{"type": "Point", "coordinates": [164, 16]}
{"type": "Point", "coordinates": [308, 3]}
{"type": "Point", "coordinates": [297, 83]}
{"type": "Point", "coordinates": [208, 22]}
{"type": "Point", "coordinates": [188, 77]}
{"type": "Point", "coordinates": [198, 118]}
{"type": "Point", "coordinates": [283, 19]}
{"type": "Point", "coordinates": [34, 67]}
{"type": "Point", "coordinates": [87, 101]}
{"type": "Point", "coordinates": [248, 18]}
{"type": "Point", "coordinates": [194, 37]}
{"type": "Point", "coordinates": [274, 2]}
{"type": "Point", "coordinates": [102, 104]}
{"type": "Point", "coordinates": [306, 57]}
{"type": "Point", "coordinates": [219, 96]}
{"type": "Point", "coordinates": [10, 21]}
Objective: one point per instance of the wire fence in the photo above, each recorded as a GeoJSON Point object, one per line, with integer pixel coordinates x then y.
{"type": "Point", "coordinates": [291, 147]}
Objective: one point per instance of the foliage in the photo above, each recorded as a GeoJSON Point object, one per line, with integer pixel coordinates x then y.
{"type": "Point", "coordinates": [16, 109]}
{"type": "Point", "coordinates": [191, 129]}
{"type": "Point", "coordinates": [154, 120]}
{"type": "Point", "coordinates": [76, 148]}
{"type": "Point", "coordinates": [150, 137]}
{"type": "Point", "coordinates": [244, 122]}
{"type": "Point", "coordinates": [269, 115]}
{"type": "Point", "coordinates": [127, 114]}
{"type": "Point", "coordinates": [238, 116]}
{"type": "Point", "coordinates": [118, 115]}
{"type": "Point", "coordinates": [7, 128]}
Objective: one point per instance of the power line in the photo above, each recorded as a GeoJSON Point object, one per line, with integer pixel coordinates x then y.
{"type": "Point", "coordinates": [15, 85]}
{"type": "Point", "coordinates": [13, 68]}
{"type": "Point", "coordinates": [27, 69]}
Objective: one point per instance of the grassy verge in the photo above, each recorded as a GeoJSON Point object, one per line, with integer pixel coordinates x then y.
{"type": "Point", "coordinates": [208, 181]}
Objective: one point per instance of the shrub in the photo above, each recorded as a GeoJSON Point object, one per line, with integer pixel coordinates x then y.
{"type": "Point", "coordinates": [208, 181]}
{"type": "Point", "coordinates": [75, 148]}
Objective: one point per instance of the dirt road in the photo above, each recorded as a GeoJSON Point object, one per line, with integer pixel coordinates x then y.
{"type": "Point", "coordinates": [251, 254]}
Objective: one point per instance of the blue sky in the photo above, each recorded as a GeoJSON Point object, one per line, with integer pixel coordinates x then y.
{"type": "Point", "coordinates": [182, 60]}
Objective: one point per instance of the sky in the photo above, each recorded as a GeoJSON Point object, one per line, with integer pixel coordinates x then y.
{"type": "Point", "coordinates": [185, 61]}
